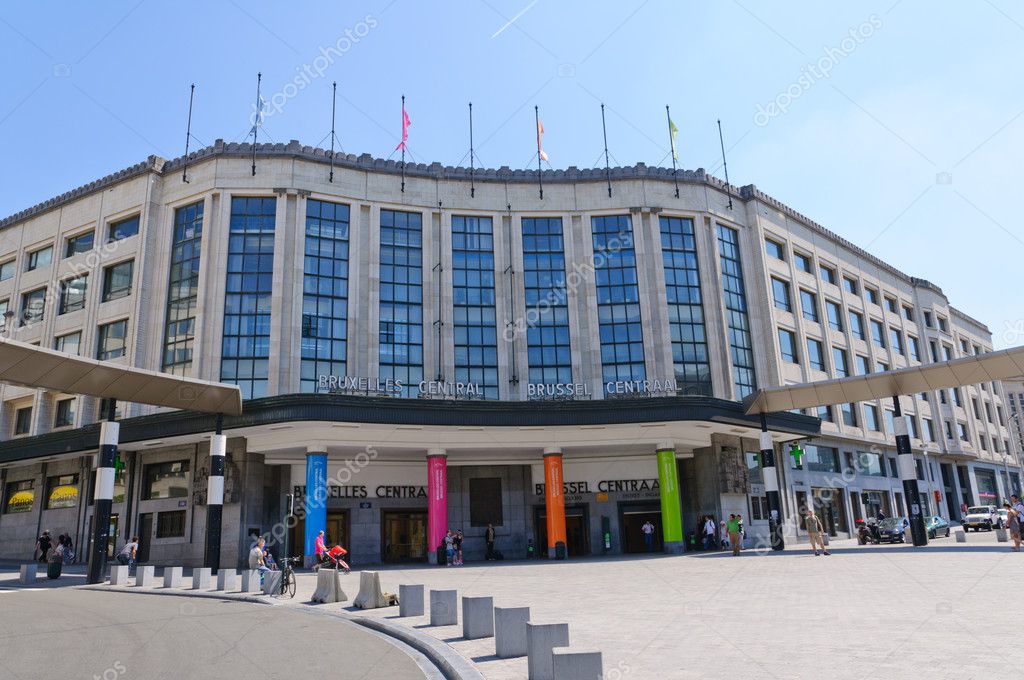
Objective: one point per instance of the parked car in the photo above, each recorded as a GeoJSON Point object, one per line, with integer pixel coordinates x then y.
{"type": "Point", "coordinates": [980, 517]}
{"type": "Point", "coordinates": [1004, 517]}
{"type": "Point", "coordinates": [936, 527]}
{"type": "Point", "coordinates": [891, 529]}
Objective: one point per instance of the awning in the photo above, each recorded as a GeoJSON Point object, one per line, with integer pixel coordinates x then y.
{"type": "Point", "coordinates": [1005, 364]}
{"type": "Point", "coordinates": [37, 367]}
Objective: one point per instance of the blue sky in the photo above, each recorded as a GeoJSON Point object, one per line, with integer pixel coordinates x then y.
{"type": "Point", "coordinates": [908, 146]}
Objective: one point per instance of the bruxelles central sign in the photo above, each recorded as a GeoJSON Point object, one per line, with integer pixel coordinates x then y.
{"type": "Point", "coordinates": [454, 390]}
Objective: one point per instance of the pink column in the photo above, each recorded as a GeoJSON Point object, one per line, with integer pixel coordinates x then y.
{"type": "Point", "coordinates": [437, 500]}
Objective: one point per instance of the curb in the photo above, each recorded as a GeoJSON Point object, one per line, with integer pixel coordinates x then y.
{"type": "Point", "coordinates": [183, 592]}
{"type": "Point", "coordinates": [452, 664]}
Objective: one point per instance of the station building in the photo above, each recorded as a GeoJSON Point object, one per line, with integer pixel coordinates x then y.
{"type": "Point", "coordinates": [424, 348]}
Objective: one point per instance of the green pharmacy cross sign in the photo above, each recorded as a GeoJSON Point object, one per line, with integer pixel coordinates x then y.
{"type": "Point", "coordinates": [797, 453]}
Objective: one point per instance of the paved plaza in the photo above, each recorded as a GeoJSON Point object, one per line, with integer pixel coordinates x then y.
{"type": "Point", "coordinates": [886, 611]}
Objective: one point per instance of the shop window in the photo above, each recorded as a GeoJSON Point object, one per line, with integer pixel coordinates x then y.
{"type": "Point", "coordinates": [485, 502]}
{"type": "Point", "coordinates": [19, 497]}
{"type": "Point", "coordinates": [170, 524]}
{"type": "Point", "coordinates": [61, 492]}
{"type": "Point", "coordinates": [166, 480]}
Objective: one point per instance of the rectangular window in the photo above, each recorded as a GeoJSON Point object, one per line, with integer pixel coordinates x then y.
{"type": "Point", "coordinates": [849, 414]}
{"type": "Point", "coordinates": [850, 285]}
{"type": "Point", "coordinates": [111, 342]}
{"type": "Point", "coordinates": [38, 259]}
{"type": "Point", "coordinates": [977, 408]}
{"type": "Point", "coordinates": [166, 480]}
{"type": "Point", "coordinates": [618, 300]}
{"type": "Point", "coordinates": [928, 320]}
{"type": "Point", "coordinates": [64, 413]}
{"type": "Point", "coordinates": [690, 360]}
{"type": "Point", "coordinates": [877, 333]}
{"type": "Point", "coordinates": [809, 305]}
{"type": "Point", "coordinates": [324, 292]}
{"type": "Point", "coordinates": [182, 289]}
{"type": "Point", "coordinates": [81, 243]}
{"type": "Point", "coordinates": [485, 502]}
{"type": "Point", "coordinates": [929, 430]}
{"type": "Point", "coordinates": [881, 367]}
{"type": "Point", "coordinates": [23, 420]}
{"type": "Point", "coordinates": [824, 413]}
{"type": "Point", "coordinates": [890, 421]}
{"type": "Point", "coordinates": [933, 348]}
{"type": "Point", "coordinates": [942, 324]}
{"type": "Point", "coordinates": [893, 471]}
{"type": "Point", "coordinates": [103, 410]}
{"type": "Point", "coordinates": [32, 305]}
{"type": "Point", "coordinates": [547, 339]}
{"type": "Point", "coordinates": [871, 418]}
{"type": "Point", "coordinates": [914, 348]}
{"type": "Point", "coordinates": [834, 313]}
{"type": "Point", "coordinates": [821, 459]}
{"type": "Point", "coordinates": [69, 344]}
{"type": "Point", "coordinates": [123, 229]}
{"type": "Point", "coordinates": [802, 262]}
{"type": "Point", "coordinates": [245, 347]}
{"type": "Point", "coordinates": [949, 430]}
{"type": "Point", "coordinates": [740, 343]}
{"type": "Point", "coordinates": [787, 346]}
{"type": "Point", "coordinates": [890, 304]}
{"type": "Point", "coordinates": [775, 249]}
{"type": "Point", "coordinates": [988, 412]}
{"type": "Point", "coordinates": [170, 524]}
{"type": "Point", "coordinates": [61, 492]}
{"type": "Point", "coordinates": [401, 298]}
{"type": "Point", "coordinates": [7, 270]}
{"type": "Point", "coordinates": [815, 354]}
{"type": "Point", "coordinates": [908, 313]}
{"type": "Point", "coordinates": [896, 340]}
{"type": "Point", "coordinates": [962, 429]}
{"type": "Point", "coordinates": [870, 463]}
{"type": "Point", "coordinates": [957, 397]}
{"type": "Point", "coordinates": [117, 281]}
{"type": "Point", "coordinates": [476, 331]}
{"type": "Point", "coordinates": [871, 294]}
{"type": "Point", "coordinates": [72, 294]}
{"type": "Point", "coordinates": [780, 293]}
{"type": "Point", "coordinates": [856, 325]}
{"type": "Point", "coordinates": [839, 359]}
{"type": "Point", "coordinates": [863, 365]}
{"type": "Point", "coordinates": [828, 274]}
{"type": "Point", "coordinates": [19, 497]}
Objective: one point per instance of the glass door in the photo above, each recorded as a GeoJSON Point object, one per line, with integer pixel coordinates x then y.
{"type": "Point", "coordinates": [403, 536]}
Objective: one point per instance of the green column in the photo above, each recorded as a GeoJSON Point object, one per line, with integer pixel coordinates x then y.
{"type": "Point", "coordinates": [671, 519]}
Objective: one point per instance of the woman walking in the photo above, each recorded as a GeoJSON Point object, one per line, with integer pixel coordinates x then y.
{"type": "Point", "coordinates": [1013, 525]}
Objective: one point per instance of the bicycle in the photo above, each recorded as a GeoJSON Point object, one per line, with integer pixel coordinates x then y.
{"type": "Point", "coordinates": [288, 576]}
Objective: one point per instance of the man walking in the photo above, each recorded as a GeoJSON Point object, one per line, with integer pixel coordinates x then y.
{"type": "Point", "coordinates": [648, 530]}
{"type": "Point", "coordinates": [43, 545]}
{"type": "Point", "coordinates": [733, 526]}
{"type": "Point", "coordinates": [814, 531]}
{"type": "Point", "coordinates": [709, 533]}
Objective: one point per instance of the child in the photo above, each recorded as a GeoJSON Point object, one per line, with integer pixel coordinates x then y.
{"type": "Point", "coordinates": [723, 533]}
{"type": "Point", "coordinates": [449, 544]}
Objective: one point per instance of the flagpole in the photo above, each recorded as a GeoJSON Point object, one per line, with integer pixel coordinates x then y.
{"type": "Point", "coordinates": [256, 125]}
{"type": "Point", "coordinates": [672, 149]}
{"type": "Point", "coordinates": [188, 134]}
{"type": "Point", "coordinates": [472, 184]}
{"type": "Point", "coordinates": [403, 145]}
{"type": "Point", "coordinates": [607, 168]}
{"type": "Point", "coordinates": [725, 166]}
{"type": "Point", "coordinates": [540, 181]}
{"type": "Point", "coordinates": [334, 105]}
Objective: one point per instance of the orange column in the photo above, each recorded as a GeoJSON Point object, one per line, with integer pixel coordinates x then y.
{"type": "Point", "coordinates": [554, 499]}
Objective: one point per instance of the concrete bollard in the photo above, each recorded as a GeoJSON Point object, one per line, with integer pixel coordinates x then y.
{"type": "Point", "coordinates": [961, 535]}
{"type": "Point", "coordinates": [576, 664]}
{"type": "Point", "coordinates": [201, 578]}
{"type": "Point", "coordinates": [145, 577]}
{"type": "Point", "coordinates": [541, 640]}
{"type": "Point", "coordinates": [410, 600]}
{"type": "Point", "coordinates": [271, 583]}
{"type": "Point", "coordinates": [477, 617]}
{"type": "Point", "coordinates": [172, 577]}
{"type": "Point", "coordinates": [227, 579]}
{"type": "Point", "coordinates": [510, 631]}
{"type": "Point", "coordinates": [908, 535]}
{"type": "Point", "coordinates": [119, 575]}
{"type": "Point", "coordinates": [370, 595]}
{"type": "Point", "coordinates": [251, 581]}
{"type": "Point", "coordinates": [28, 573]}
{"type": "Point", "coordinates": [1001, 535]}
{"type": "Point", "coordinates": [444, 607]}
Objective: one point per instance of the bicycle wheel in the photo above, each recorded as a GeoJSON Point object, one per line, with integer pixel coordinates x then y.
{"type": "Point", "coordinates": [289, 588]}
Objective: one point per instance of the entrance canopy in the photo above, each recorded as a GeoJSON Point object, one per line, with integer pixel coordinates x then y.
{"type": "Point", "coordinates": [36, 367]}
{"type": "Point", "coordinates": [1002, 365]}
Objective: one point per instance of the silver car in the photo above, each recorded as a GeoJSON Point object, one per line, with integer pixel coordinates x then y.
{"type": "Point", "coordinates": [980, 517]}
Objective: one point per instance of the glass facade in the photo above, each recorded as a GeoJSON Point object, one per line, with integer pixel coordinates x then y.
{"type": "Point", "coordinates": [740, 345]}
{"type": "Point", "coordinates": [618, 300]}
{"type": "Point", "coordinates": [476, 333]}
{"type": "Point", "coordinates": [245, 352]}
{"type": "Point", "coordinates": [685, 310]}
{"type": "Point", "coordinates": [547, 313]}
{"type": "Point", "coordinates": [401, 298]}
{"type": "Point", "coordinates": [182, 289]}
{"type": "Point", "coordinates": [324, 293]}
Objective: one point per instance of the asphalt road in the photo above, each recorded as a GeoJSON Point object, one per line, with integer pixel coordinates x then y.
{"type": "Point", "coordinates": [72, 633]}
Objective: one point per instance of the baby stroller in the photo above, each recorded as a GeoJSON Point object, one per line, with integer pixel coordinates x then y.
{"type": "Point", "coordinates": [333, 557]}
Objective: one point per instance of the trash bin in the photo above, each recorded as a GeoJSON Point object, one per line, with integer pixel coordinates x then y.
{"type": "Point", "coordinates": [442, 555]}
{"type": "Point", "coordinates": [560, 550]}
{"type": "Point", "coordinates": [53, 566]}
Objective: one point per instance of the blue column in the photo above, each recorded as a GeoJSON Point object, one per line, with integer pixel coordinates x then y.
{"type": "Point", "coordinates": [315, 500]}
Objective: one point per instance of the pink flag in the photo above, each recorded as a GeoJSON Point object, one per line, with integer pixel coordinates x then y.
{"type": "Point", "coordinates": [540, 137]}
{"type": "Point", "coordinates": [405, 128]}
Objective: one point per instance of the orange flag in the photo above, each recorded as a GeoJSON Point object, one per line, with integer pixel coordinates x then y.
{"type": "Point", "coordinates": [540, 137]}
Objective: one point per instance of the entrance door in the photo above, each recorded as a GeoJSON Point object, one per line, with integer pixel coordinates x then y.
{"type": "Point", "coordinates": [632, 517]}
{"type": "Point", "coordinates": [336, 532]}
{"type": "Point", "coordinates": [577, 530]}
{"type": "Point", "coordinates": [145, 531]}
{"type": "Point", "coordinates": [403, 536]}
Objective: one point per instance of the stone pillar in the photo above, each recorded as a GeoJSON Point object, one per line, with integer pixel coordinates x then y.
{"type": "Point", "coordinates": [215, 497]}
{"type": "Point", "coordinates": [104, 495]}
{"type": "Point", "coordinates": [316, 499]}
{"type": "Point", "coordinates": [908, 472]}
{"type": "Point", "coordinates": [671, 509]}
{"type": "Point", "coordinates": [771, 486]}
{"type": "Point", "coordinates": [437, 501]}
{"type": "Point", "coordinates": [554, 500]}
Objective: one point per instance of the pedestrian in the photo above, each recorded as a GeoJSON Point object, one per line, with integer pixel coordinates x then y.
{"type": "Point", "coordinates": [457, 544]}
{"type": "Point", "coordinates": [723, 534]}
{"type": "Point", "coordinates": [1018, 506]}
{"type": "Point", "coordinates": [489, 541]}
{"type": "Point", "coordinates": [815, 531]}
{"type": "Point", "coordinates": [733, 527]}
{"type": "Point", "coordinates": [320, 549]}
{"type": "Point", "coordinates": [128, 553]}
{"type": "Point", "coordinates": [1013, 525]}
{"type": "Point", "coordinates": [648, 530]}
{"type": "Point", "coordinates": [709, 532]}
{"type": "Point", "coordinates": [43, 545]}
{"type": "Point", "coordinates": [256, 559]}
{"type": "Point", "coordinates": [449, 548]}
{"type": "Point", "coordinates": [69, 549]}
